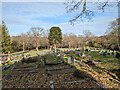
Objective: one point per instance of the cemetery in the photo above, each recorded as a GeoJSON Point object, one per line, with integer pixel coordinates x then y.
{"type": "Point", "coordinates": [64, 69]}
{"type": "Point", "coordinates": [43, 47]}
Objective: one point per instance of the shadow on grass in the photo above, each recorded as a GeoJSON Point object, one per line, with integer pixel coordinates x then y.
{"type": "Point", "coordinates": [116, 71]}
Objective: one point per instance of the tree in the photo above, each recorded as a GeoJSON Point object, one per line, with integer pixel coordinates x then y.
{"type": "Point", "coordinates": [0, 39]}
{"type": "Point", "coordinates": [114, 33]}
{"type": "Point", "coordinates": [23, 40]}
{"type": "Point", "coordinates": [87, 35]}
{"type": "Point", "coordinates": [55, 37]}
{"type": "Point", "coordinates": [6, 43]}
{"type": "Point", "coordinates": [16, 46]}
{"type": "Point", "coordinates": [45, 39]}
{"type": "Point", "coordinates": [82, 10]}
{"type": "Point", "coordinates": [36, 33]}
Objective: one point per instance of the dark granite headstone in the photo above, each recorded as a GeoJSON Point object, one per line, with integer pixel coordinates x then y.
{"type": "Point", "coordinates": [23, 60]}
{"type": "Point", "coordinates": [117, 55]}
{"type": "Point", "coordinates": [104, 54]}
{"type": "Point", "coordinates": [73, 60]}
{"type": "Point", "coordinates": [44, 62]}
{"type": "Point", "coordinates": [39, 56]}
{"type": "Point", "coordinates": [108, 53]}
{"type": "Point", "coordinates": [15, 63]}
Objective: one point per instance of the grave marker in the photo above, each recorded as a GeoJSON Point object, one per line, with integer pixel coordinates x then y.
{"type": "Point", "coordinates": [111, 55]}
{"type": "Point", "coordinates": [69, 60]}
{"type": "Point", "coordinates": [15, 63]}
{"type": "Point", "coordinates": [104, 54]}
{"type": "Point", "coordinates": [73, 60]}
{"type": "Point", "coordinates": [39, 56]}
{"type": "Point", "coordinates": [44, 62]}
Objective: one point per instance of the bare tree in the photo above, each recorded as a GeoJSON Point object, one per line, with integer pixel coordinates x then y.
{"type": "Point", "coordinates": [87, 35]}
{"type": "Point", "coordinates": [114, 32]}
{"type": "Point", "coordinates": [84, 11]}
{"type": "Point", "coordinates": [36, 33]}
{"type": "Point", "coordinates": [23, 40]}
{"type": "Point", "coordinates": [45, 35]}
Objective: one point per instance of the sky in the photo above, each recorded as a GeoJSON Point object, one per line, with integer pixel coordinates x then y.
{"type": "Point", "coordinates": [21, 16]}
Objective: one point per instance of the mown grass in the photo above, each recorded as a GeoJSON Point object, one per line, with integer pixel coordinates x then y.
{"type": "Point", "coordinates": [106, 61]}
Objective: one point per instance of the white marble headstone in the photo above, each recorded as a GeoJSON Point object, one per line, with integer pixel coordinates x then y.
{"type": "Point", "coordinates": [69, 60]}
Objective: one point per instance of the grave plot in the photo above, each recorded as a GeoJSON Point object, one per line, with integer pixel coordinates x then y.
{"type": "Point", "coordinates": [57, 67]}
{"type": "Point", "coordinates": [25, 76]}
{"type": "Point", "coordinates": [23, 68]}
{"type": "Point", "coordinates": [69, 77]}
{"type": "Point", "coordinates": [77, 79]}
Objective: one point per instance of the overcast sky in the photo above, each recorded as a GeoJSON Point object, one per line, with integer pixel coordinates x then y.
{"type": "Point", "coordinates": [20, 16]}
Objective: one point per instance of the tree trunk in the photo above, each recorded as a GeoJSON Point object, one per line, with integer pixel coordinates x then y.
{"type": "Point", "coordinates": [50, 48]}
{"type": "Point", "coordinates": [82, 47]}
{"type": "Point", "coordinates": [47, 45]}
{"type": "Point", "coordinates": [61, 45]}
{"type": "Point", "coordinates": [23, 46]}
{"type": "Point", "coordinates": [69, 45]}
{"type": "Point", "coordinates": [118, 40]}
{"type": "Point", "coordinates": [36, 46]}
{"type": "Point", "coordinates": [55, 47]}
{"type": "Point", "coordinates": [79, 46]}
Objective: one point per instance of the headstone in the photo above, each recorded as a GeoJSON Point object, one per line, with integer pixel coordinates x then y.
{"type": "Point", "coordinates": [22, 55]}
{"type": "Point", "coordinates": [104, 54]}
{"type": "Point", "coordinates": [69, 60]}
{"type": "Point", "coordinates": [86, 50]}
{"type": "Point", "coordinates": [39, 56]}
{"type": "Point", "coordinates": [111, 55]}
{"type": "Point", "coordinates": [23, 59]}
{"type": "Point", "coordinates": [15, 63]}
{"type": "Point", "coordinates": [117, 55]}
{"type": "Point", "coordinates": [108, 53]}
{"type": "Point", "coordinates": [44, 62]}
{"type": "Point", "coordinates": [73, 60]}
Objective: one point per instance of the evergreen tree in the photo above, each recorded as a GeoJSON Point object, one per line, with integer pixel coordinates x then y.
{"type": "Point", "coordinates": [0, 39]}
{"type": "Point", "coordinates": [55, 37]}
{"type": "Point", "coordinates": [6, 44]}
